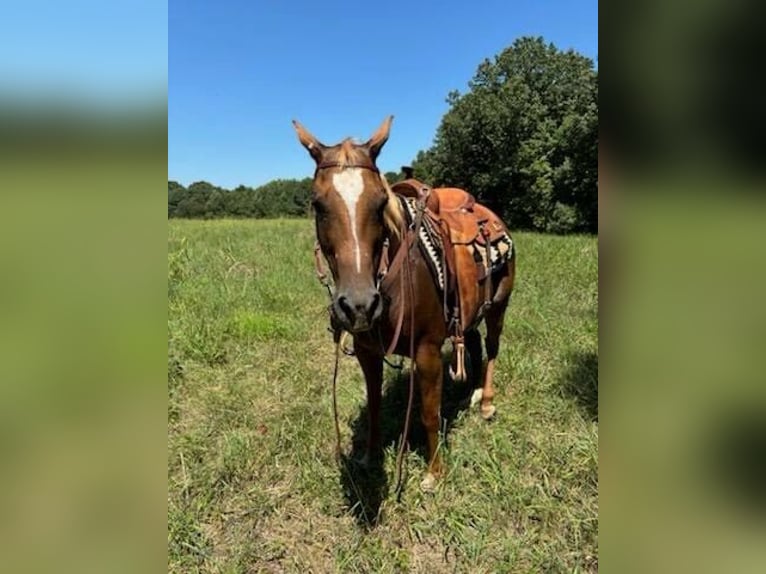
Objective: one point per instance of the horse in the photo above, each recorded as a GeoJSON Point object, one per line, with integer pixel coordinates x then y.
{"type": "Point", "coordinates": [360, 226]}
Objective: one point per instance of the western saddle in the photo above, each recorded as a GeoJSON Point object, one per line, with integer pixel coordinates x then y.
{"type": "Point", "coordinates": [468, 230]}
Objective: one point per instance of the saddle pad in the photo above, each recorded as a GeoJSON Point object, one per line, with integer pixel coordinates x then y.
{"type": "Point", "coordinates": [430, 240]}
{"type": "Point", "coordinates": [500, 251]}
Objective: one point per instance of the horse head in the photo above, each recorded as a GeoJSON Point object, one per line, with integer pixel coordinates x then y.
{"type": "Point", "coordinates": [354, 212]}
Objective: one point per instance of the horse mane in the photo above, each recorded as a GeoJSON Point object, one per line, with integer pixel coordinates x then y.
{"type": "Point", "coordinates": [392, 213]}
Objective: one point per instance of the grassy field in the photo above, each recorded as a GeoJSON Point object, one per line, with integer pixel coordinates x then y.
{"type": "Point", "coordinates": [253, 485]}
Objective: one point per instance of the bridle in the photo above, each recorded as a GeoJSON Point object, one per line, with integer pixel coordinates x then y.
{"type": "Point", "coordinates": [329, 164]}
{"type": "Point", "coordinates": [383, 267]}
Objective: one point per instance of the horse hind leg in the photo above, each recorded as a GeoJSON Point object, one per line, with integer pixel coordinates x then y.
{"type": "Point", "coordinates": [494, 321]}
{"type": "Point", "coordinates": [473, 346]}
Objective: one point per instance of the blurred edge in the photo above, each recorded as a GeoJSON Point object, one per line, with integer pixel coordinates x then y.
{"type": "Point", "coordinates": [682, 212]}
{"type": "Point", "coordinates": [83, 313]}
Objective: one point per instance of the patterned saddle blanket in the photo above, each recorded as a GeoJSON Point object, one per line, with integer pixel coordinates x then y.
{"type": "Point", "coordinates": [432, 244]}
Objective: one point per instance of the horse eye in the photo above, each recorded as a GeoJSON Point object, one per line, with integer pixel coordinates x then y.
{"type": "Point", "coordinates": [318, 206]}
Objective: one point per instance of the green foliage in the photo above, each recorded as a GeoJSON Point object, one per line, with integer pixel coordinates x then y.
{"type": "Point", "coordinates": [524, 139]}
{"type": "Point", "coordinates": [203, 200]}
{"type": "Point", "coordinates": [283, 197]}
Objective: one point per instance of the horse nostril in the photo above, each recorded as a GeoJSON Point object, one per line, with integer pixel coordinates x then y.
{"type": "Point", "coordinates": [346, 307]}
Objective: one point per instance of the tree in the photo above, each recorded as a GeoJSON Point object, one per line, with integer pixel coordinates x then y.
{"type": "Point", "coordinates": [176, 192]}
{"type": "Point", "coordinates": [284, 197]}
{"type": "Point", "coordinates": [194, 202]}
{"type": "Point", "coordinates": [216, 204]}
{"type": "Point", "coordinates": [524, 138]}
{"type": "Point", "coordinates": [392, 177]}
{"type": "Point", "coordinates": [243, 203]}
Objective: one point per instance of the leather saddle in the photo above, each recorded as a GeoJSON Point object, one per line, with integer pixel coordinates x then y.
{"type": "Point", "coordinates": [467, 228]}
{"type": "Point", "coordinates": [458, 209]}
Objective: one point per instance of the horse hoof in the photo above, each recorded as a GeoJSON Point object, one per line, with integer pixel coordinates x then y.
{"type": "Point", "coordinates": [429, 483]}
{"type": "Point", "coordinates": [476, 397]}
{"type": "Point", "coordinates": [370, 459]}
{"type": "Point", "coordinates": [488, 412]}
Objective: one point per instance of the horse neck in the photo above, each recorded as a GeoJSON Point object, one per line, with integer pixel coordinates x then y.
{"type": "Point", "coordinates": [397, 257]}
{"type": "Point", "coordinates": [396, 240]}
{"type": "Point", "coordinates": [394, 244]}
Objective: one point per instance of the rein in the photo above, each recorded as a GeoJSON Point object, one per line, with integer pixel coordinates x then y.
{"type": "Point", "coordinates": [401, 259]}
{"type": "Point", "coordinates": [407, 246]}
{"type": "Point", "coordinates": [335, 396]}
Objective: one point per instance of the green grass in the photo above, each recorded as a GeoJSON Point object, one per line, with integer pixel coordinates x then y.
{"type": "Point", "coordinates": [253, 483]}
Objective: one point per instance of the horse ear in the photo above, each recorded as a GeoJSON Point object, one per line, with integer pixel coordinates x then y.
{"type": "Point", "coordinates": [313, 145]}
{"type": "Point", "coordinates": [379, 138]}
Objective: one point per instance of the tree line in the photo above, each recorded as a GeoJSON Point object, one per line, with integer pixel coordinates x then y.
{"type": "Point", "coordinates": [203, 200]}
{"type": "Point", "coordinates": [277, 198]}
{"type": "Point", "coordinates": [523, 139]}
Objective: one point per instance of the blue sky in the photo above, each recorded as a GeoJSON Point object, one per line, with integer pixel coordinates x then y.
{"type": "Point", "coordinates": [96, 52]}
{"type": "Point", "coordinates": [239, 71]}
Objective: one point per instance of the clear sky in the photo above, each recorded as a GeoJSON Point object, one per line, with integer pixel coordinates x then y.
{"type": "Point", "coordinates": [97, 52]}
{"type": "Point", "coordinates": [240, 70]}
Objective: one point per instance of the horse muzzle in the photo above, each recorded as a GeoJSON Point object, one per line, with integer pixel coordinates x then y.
{"type": "Point", "coordinates": [357, 311]}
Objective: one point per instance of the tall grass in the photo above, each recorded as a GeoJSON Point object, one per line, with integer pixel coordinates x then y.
{"type": "Point", "coordinates": [253, 484]}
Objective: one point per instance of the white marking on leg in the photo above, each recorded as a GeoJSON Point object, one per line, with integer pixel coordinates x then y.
{"type": "Point", "coordinates": [350, 185]}
{"type": "Point", "coordinates": [428, 484]}
{"type": "Point", "coordinates": [476, 397]}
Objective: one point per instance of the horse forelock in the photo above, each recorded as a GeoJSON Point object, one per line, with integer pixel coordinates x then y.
{"type": "Point", "coordinates": [349, 153]}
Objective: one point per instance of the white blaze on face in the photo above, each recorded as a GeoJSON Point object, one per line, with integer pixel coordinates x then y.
{"type": "Point", "coordinates": [350, 185]}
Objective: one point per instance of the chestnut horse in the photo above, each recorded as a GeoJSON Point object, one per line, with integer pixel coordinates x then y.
{"type": "Point", "coordinates": [357, 214]}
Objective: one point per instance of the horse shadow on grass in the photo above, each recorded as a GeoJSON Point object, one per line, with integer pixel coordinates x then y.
{"type": "Point", "coordinates": [365, 487]}
{"type": "Point", "coordinates": [580, 382]}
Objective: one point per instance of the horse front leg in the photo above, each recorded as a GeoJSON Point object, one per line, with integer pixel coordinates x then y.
{"type": "Point", "coordinates": [429, 370]}
{"type": "Point", "coordinates": [372, 367]}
